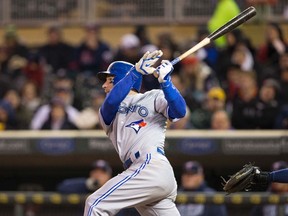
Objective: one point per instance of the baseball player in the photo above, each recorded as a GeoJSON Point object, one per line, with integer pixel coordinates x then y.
{"type": "Point", "coordinates": [136, 125]}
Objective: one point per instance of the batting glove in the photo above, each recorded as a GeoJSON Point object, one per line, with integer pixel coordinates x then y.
{"type": "Point", "coordinates": [164, 71]}
{"type": "Point", "coordinates": [148, 59]}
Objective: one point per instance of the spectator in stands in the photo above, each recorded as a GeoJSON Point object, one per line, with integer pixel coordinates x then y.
{"type": "Point", "coordinates": [5, 84]}
{"type": "Point", "coordinates": [244, 57]}
{"type": "Point", "coordinates": [55, 109]}
{"type": "Point", "coordinates": [220, 120]}
{"type": "Point", "coordinates": [283, 64]}
{"type": "Point", "coordinates": [244, 110]}
{"type": "Point", "coordinates": [64, 87]}
{"type": "Point", "coordinates": [276, 72]}
{"type": "Point", "coordinates": [268, 105]}
{"type": "Point", "coordinates": [223, 12]}
{"type": "Point", "coordinates": [284, 86]}
{"type": "Point", "coordinates": [56, 53]}
{"type": "Point", "coordinates": [34, 71]}
{"type": "Point", "coordinates": [233, 38]}
{"type": "Point", "coordinates": [13, 97]}
{"type": "Point", "coordinates": [198, 78]}
{"type": "Point", "coordinates": [7, 116]}
{"type": "Point", "coordinates": [3, 61]}
{"type": "Point", "coordinates": [209, 53]}
{"type": "Point", "coordinates": [193, 180]}
{"type": "Point", "coordinates": [12, 43]}
{"type": "Point", "coordinates": [30, 101]}
{"type": "Point", "coordinates": [141, 33]}
{"type": "Point", "coordinates": [275, 45]}
{"type": "Point", "coordinates": [232, 83]}
{"type": "Point", "coordinates": [129, 49]}
{"type": "Point", "coordinates": [88, 118]}
{"type": "Point", "coordinates": [185, 91]}
{"type": "Point", "coordinates": [274, 188]}
{"type": "Point", "coordinates": [57, 118]}
{"type": "Point", "coordinates": [93, 54]}
{"type": "Point", "coordinates": [14, 54]}
{"type": "Point", "coordinates": [215, 100]}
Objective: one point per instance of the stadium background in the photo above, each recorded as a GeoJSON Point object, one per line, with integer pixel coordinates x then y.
{"type": "Point", "coordinates": [21, 161]}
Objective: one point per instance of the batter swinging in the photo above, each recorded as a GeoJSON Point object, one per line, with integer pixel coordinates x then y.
{"type": "Point", "coordinates": [136, 125]}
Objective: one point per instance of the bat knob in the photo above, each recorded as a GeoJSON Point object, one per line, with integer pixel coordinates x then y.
{"type": "Point", "coordinates": [156, 75]}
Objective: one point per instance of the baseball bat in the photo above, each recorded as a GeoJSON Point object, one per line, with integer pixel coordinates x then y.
{"type": "Point", "coordinates": [227, 27]}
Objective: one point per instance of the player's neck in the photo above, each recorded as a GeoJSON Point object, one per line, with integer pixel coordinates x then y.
{"type": "Point", "coordinates": [132, 92]}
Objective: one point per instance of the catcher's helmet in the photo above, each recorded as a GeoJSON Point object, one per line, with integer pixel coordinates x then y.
{"type": "Point", "coordinates": [119, 69]}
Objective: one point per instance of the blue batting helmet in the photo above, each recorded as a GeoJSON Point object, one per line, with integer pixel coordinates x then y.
{"type": "Point", "coordinates": [118, 70]}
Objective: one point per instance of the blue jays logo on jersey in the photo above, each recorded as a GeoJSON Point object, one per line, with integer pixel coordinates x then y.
{"type": "Point", "coordinates": [137, 125]}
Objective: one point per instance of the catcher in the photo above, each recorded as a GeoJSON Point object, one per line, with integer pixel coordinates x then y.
{"type": "Point", "coordinates": [251, 175]}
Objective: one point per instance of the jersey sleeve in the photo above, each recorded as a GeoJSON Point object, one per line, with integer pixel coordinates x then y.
{"type": "Point", "coordinates": [176, 103]}
{"type": "Point", "coordinates": [161, 104]}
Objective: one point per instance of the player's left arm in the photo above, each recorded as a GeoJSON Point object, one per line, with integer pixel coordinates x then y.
{"type": "Point", "coordinates": [176, 103]}
{"type": "Point", "coordinates": [280, 176]}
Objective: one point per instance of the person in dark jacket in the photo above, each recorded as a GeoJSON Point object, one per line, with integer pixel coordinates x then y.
{"type": "Point", "coordinates": [58, 118]}
{"type": "Point", "coordinates": [267, 104]}
{"type": "Point", "coordinates": [56, 52]}
{"type": "Point", "coordinates": [244, 104]}
{"type": "Point", "coordinates": [99, 174]}
{"type": "Point", "coordinates": [93, 54]}
{"type": "Point", "coordinates": [193, 180]}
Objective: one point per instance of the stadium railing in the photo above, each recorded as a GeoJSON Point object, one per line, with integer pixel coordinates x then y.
{"type": "Point", "coordinates": [114, 12]}
{"type": "Point", "coordinates": [50, 203]}
{"type": "Point", "coordinates": [213, 148]}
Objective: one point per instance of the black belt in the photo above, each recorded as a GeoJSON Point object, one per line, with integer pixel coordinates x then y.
{"type": "Point", "coordinates": [128, 162]}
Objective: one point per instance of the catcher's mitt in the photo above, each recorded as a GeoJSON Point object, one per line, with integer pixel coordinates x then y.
{"type": "Point", "coordinates": [242, 180]}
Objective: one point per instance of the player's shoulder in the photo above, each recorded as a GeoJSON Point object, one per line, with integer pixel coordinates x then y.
{"type": "Point", "coordinates": [153, 92]}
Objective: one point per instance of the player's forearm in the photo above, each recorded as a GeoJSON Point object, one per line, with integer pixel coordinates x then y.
{"type": "Point", "coordinates": [176, 103]}
{"type": "Point", "coordinates": [280, 176]}
{"type": "Point", "coordinates": [113, 100]}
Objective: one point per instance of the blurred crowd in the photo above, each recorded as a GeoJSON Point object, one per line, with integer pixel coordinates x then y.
{"type": "Point", "coordinates": [54, 86]}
